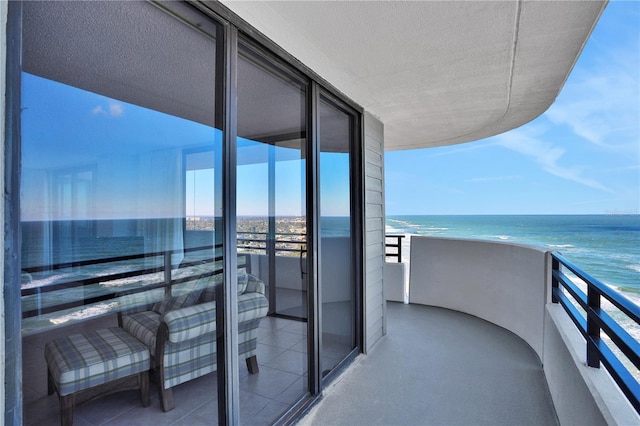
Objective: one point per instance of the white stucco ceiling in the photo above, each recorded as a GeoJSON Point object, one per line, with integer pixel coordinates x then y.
{"type": "Point", "coordinates": [435, 72]}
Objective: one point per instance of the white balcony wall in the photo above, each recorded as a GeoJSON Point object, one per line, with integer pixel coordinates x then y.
{"type": "Point", "coordinates": [374, 259]}
{"type": "Point", "coordinates": [509, 285]}
{"type": "Point", "coordinates": [394, 281]}
{"type": "Point", "coordinates": [288, 269]}
{"type": "Point", "coordinates": [336, 276]}
{"type": "Point", "coordinates": [582, 395]}
{"type": "Point", "coordinates": [505, 284]}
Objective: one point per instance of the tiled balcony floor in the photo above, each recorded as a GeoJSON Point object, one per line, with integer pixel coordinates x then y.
{"type": "Point", "coordinates": [439, 367]}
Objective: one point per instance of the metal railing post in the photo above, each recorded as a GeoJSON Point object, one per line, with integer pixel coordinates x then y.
{"type": "Point", "coordinates": [593, 329]}
{"type": "Point", "coordinates": [555, 285]}
{"type": "Point", "coordinates": [167, 273]}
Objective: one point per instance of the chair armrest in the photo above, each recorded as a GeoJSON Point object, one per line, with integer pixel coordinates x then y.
{"type": "Point", "coordinates": [188, 323]}
{"type": "Point", "coordinates": [255, 285]}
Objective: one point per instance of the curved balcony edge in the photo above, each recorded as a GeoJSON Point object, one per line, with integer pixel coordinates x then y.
{"type": "Point", "coordinates": [505, 284]}
{"type": "Point", "coordinates": [509, 285]}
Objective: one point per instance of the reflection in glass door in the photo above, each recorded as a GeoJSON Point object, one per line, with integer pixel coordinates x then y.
{"type": "Point", "coordinates": [118, 117]}
{"type": "Point", "coordinates": [272, 235]}
{"type": "Point", "coordinates": [337, 272]}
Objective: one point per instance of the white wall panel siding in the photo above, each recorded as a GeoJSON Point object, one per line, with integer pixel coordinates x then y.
{"type": "Point", "coordinates": [374, 301]}
{"type": "Point", "coordinates": [374, 196]}
{"type": "Point", "coordinates": [376, 223]}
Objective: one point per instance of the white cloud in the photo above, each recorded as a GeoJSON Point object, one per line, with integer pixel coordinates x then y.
{"type": "Point", "coordinates": [114, 110]}
{"type": "Point", "coordinates": [600, 102]}
{"type": "Point", "coordinates": [458, 149]}
{"type": "Point", "coordinates": [493, 178]}
{"type": "Point", "coordinates": [547, 156]}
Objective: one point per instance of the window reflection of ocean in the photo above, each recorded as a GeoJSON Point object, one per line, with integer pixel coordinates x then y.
{"type": "Point", "coordinates": [55, 242]}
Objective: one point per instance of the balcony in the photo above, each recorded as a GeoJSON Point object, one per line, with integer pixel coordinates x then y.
{"type": "Point", "coordinates": [468, 349]}
{"type": "Point", "coordinates": [435, 366]}
{"type": "Point", "coordinates": [527, 292]}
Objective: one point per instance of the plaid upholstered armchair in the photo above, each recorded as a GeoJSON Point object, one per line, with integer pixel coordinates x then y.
{"type": "Point", "coordinates": [180, 333]}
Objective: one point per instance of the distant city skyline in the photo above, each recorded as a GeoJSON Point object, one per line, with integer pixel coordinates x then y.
{"type": "Point", "coordinates": [582, 156]}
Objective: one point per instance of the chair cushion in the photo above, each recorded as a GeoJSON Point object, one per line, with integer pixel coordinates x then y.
{"type": "Point", "coordinates": [189, 323]}
{"type": "Point", "coordinates": [252, 306]}
{"type": "Point", "coordinates": [143, 326]}
{"type": "Point", "coordinates": [82, 361]}
{"type": "Point", "coordinates": [176, 302]}
{"type": "Point", "coordinates": [243, 280]}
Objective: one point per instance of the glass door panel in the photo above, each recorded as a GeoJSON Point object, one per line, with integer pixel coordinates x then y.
{"type": "Point", "coordinates": [118, 205]}
{"type": "Point", "coordinates": [336, 236]}
{"type": "Point", "coordinates": [272, 232]}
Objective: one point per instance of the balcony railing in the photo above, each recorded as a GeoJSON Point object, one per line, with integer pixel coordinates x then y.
{"type": "Point", "coordinates": [150, 276]}
{"type": "Point", "coordinates": [134, 279]}
{"type": "Point", "coordinates": [395, 245]}
{"type": "Point", "coordinates": [593, 320]}
{"type": "Point", "coordinates": [282, 243]}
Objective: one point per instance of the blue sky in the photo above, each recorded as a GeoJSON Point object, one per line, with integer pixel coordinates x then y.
{"type": "Point", "coordinates": [582, 156]}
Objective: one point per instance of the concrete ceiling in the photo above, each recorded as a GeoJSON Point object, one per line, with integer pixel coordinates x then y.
{"type": "Point", "coordinates": [436, 73]}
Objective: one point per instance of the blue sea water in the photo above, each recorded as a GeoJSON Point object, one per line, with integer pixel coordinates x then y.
{"type": "Point", "coordinates": [605, 246]}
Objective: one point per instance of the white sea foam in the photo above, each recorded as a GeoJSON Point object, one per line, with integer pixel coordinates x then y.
{"type": "Point", "coordinates": [625, 322]}
{"type": "Point", "coordinates": [634, 267]}
{"type": "Point", "coordinates": [85, 313]}
{"type": "Point", "coordinates": [39, 282]}
{"type": "Point", "coordinates": [391, 230]}
{"type": "Point", "coordinates": [560, 246]}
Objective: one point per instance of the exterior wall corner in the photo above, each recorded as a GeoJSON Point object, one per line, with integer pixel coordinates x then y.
{"type": "Point", "coordinates": [374, 299]}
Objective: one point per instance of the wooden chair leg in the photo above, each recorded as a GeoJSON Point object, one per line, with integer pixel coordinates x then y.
{"type": "Point", "coordinates": [66, 410]}
{"type": "Point", "coordinates": [51, 387]}
{"type": "Point", "coordinates": [166, 398]}
{"type": "Point", "coordinates": [252, 364]}
{"type": "Point", "coordinates": [143, 380]}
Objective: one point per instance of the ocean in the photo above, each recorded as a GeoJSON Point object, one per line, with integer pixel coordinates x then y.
{"type": "Point", "coordinates": [607, 247]}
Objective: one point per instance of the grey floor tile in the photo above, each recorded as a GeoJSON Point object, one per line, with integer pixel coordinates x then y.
{"type": "Point", "coordinates": [290, 361]}
{"type": "Point", "coordinates": [152, 415]}
{"type": "Point", "coordinates": [269, 382]}
{"type": "Point", "coordinates": [43, 410]}
{"type": "Point", "coordinates": [206, 414]}
{"type": "Point", "coordinates": [294, 392]}
{"type": "Point", "coordinates": [296, 327]}
{"type": "Point", "coordinates": [194, 393]}
{"type": "Point", "coordinates": [281, 339]}
{"type": "Point", "coordinates": [266, 353]}
{"type": "Point", "coordinates": [302, 346]}
{"type": "Point", "coordinates": [103, 409]}
{"type": "Point", "coordinates": [251, 404]}
{"type": "Point", "coordinates": [267, 415]}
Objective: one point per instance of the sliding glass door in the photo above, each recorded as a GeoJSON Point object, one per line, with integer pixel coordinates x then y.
{"type": "Point", "coordinates": [338, 232]}
{"type": "Point", "coordinates": [177, 174]}
{"type": "Point", "coordinates": [272, 229]}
